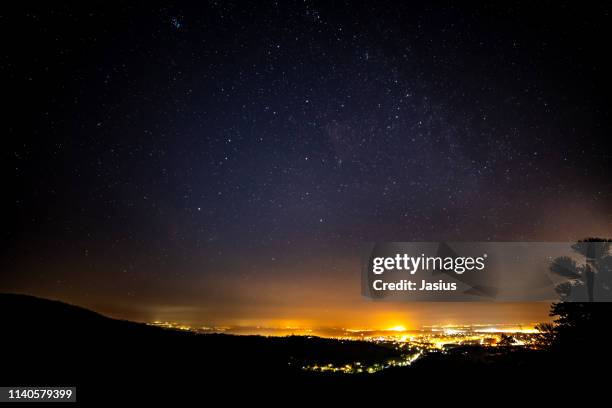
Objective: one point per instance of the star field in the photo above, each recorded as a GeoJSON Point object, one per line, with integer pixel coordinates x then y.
{"type": "Point", "coordinates": [160, 153]}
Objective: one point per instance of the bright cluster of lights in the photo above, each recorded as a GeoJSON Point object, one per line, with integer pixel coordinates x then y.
{"type": "Point", "coordinates": [448, 336]}
{"type": "Point", "coordinates": [359, 368]}
{"type": "Point", "coordinates": [171, 325]}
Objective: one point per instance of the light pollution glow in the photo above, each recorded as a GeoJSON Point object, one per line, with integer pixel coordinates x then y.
{"type": "Point", "coordinates": [305, 301]}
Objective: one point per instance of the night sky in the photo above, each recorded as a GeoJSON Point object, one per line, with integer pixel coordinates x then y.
{"type": "Point", "coordinates": [224, 162]}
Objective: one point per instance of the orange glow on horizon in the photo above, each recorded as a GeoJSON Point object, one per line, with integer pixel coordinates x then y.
{"type": "Point", "coordinates": [398, 328]}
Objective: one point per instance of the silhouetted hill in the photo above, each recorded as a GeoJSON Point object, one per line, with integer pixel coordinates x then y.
{"type": "Point", "coordinates": [33, 314]}
{"type": "Point", "coordinates": [55, 343]}
{"type": "Point", "coordinates": [52, 343]}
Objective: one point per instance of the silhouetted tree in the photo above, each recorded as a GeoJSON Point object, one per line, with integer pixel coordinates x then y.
{"type": "Point", "coordinates": [582, 316]}
{"type": "Point", "coordinates": [590, 280]}
{"type": "Point", "coordinates": [547, 333]}
{"type": "Point", "coordinates": [581, 326]}
{"type": "Point", "coordinates": [506, 340]}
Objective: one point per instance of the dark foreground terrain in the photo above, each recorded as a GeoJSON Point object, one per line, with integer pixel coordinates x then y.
{"type": "Point", "coordinates": [51, 343]}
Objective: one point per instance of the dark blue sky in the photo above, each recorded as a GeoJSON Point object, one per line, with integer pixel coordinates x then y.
{"type": "Point", "coordinates": [161, 153]}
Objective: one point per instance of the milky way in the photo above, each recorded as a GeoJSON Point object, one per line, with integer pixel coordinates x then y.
{"type": "Point", "coordinates": [233, 158]}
